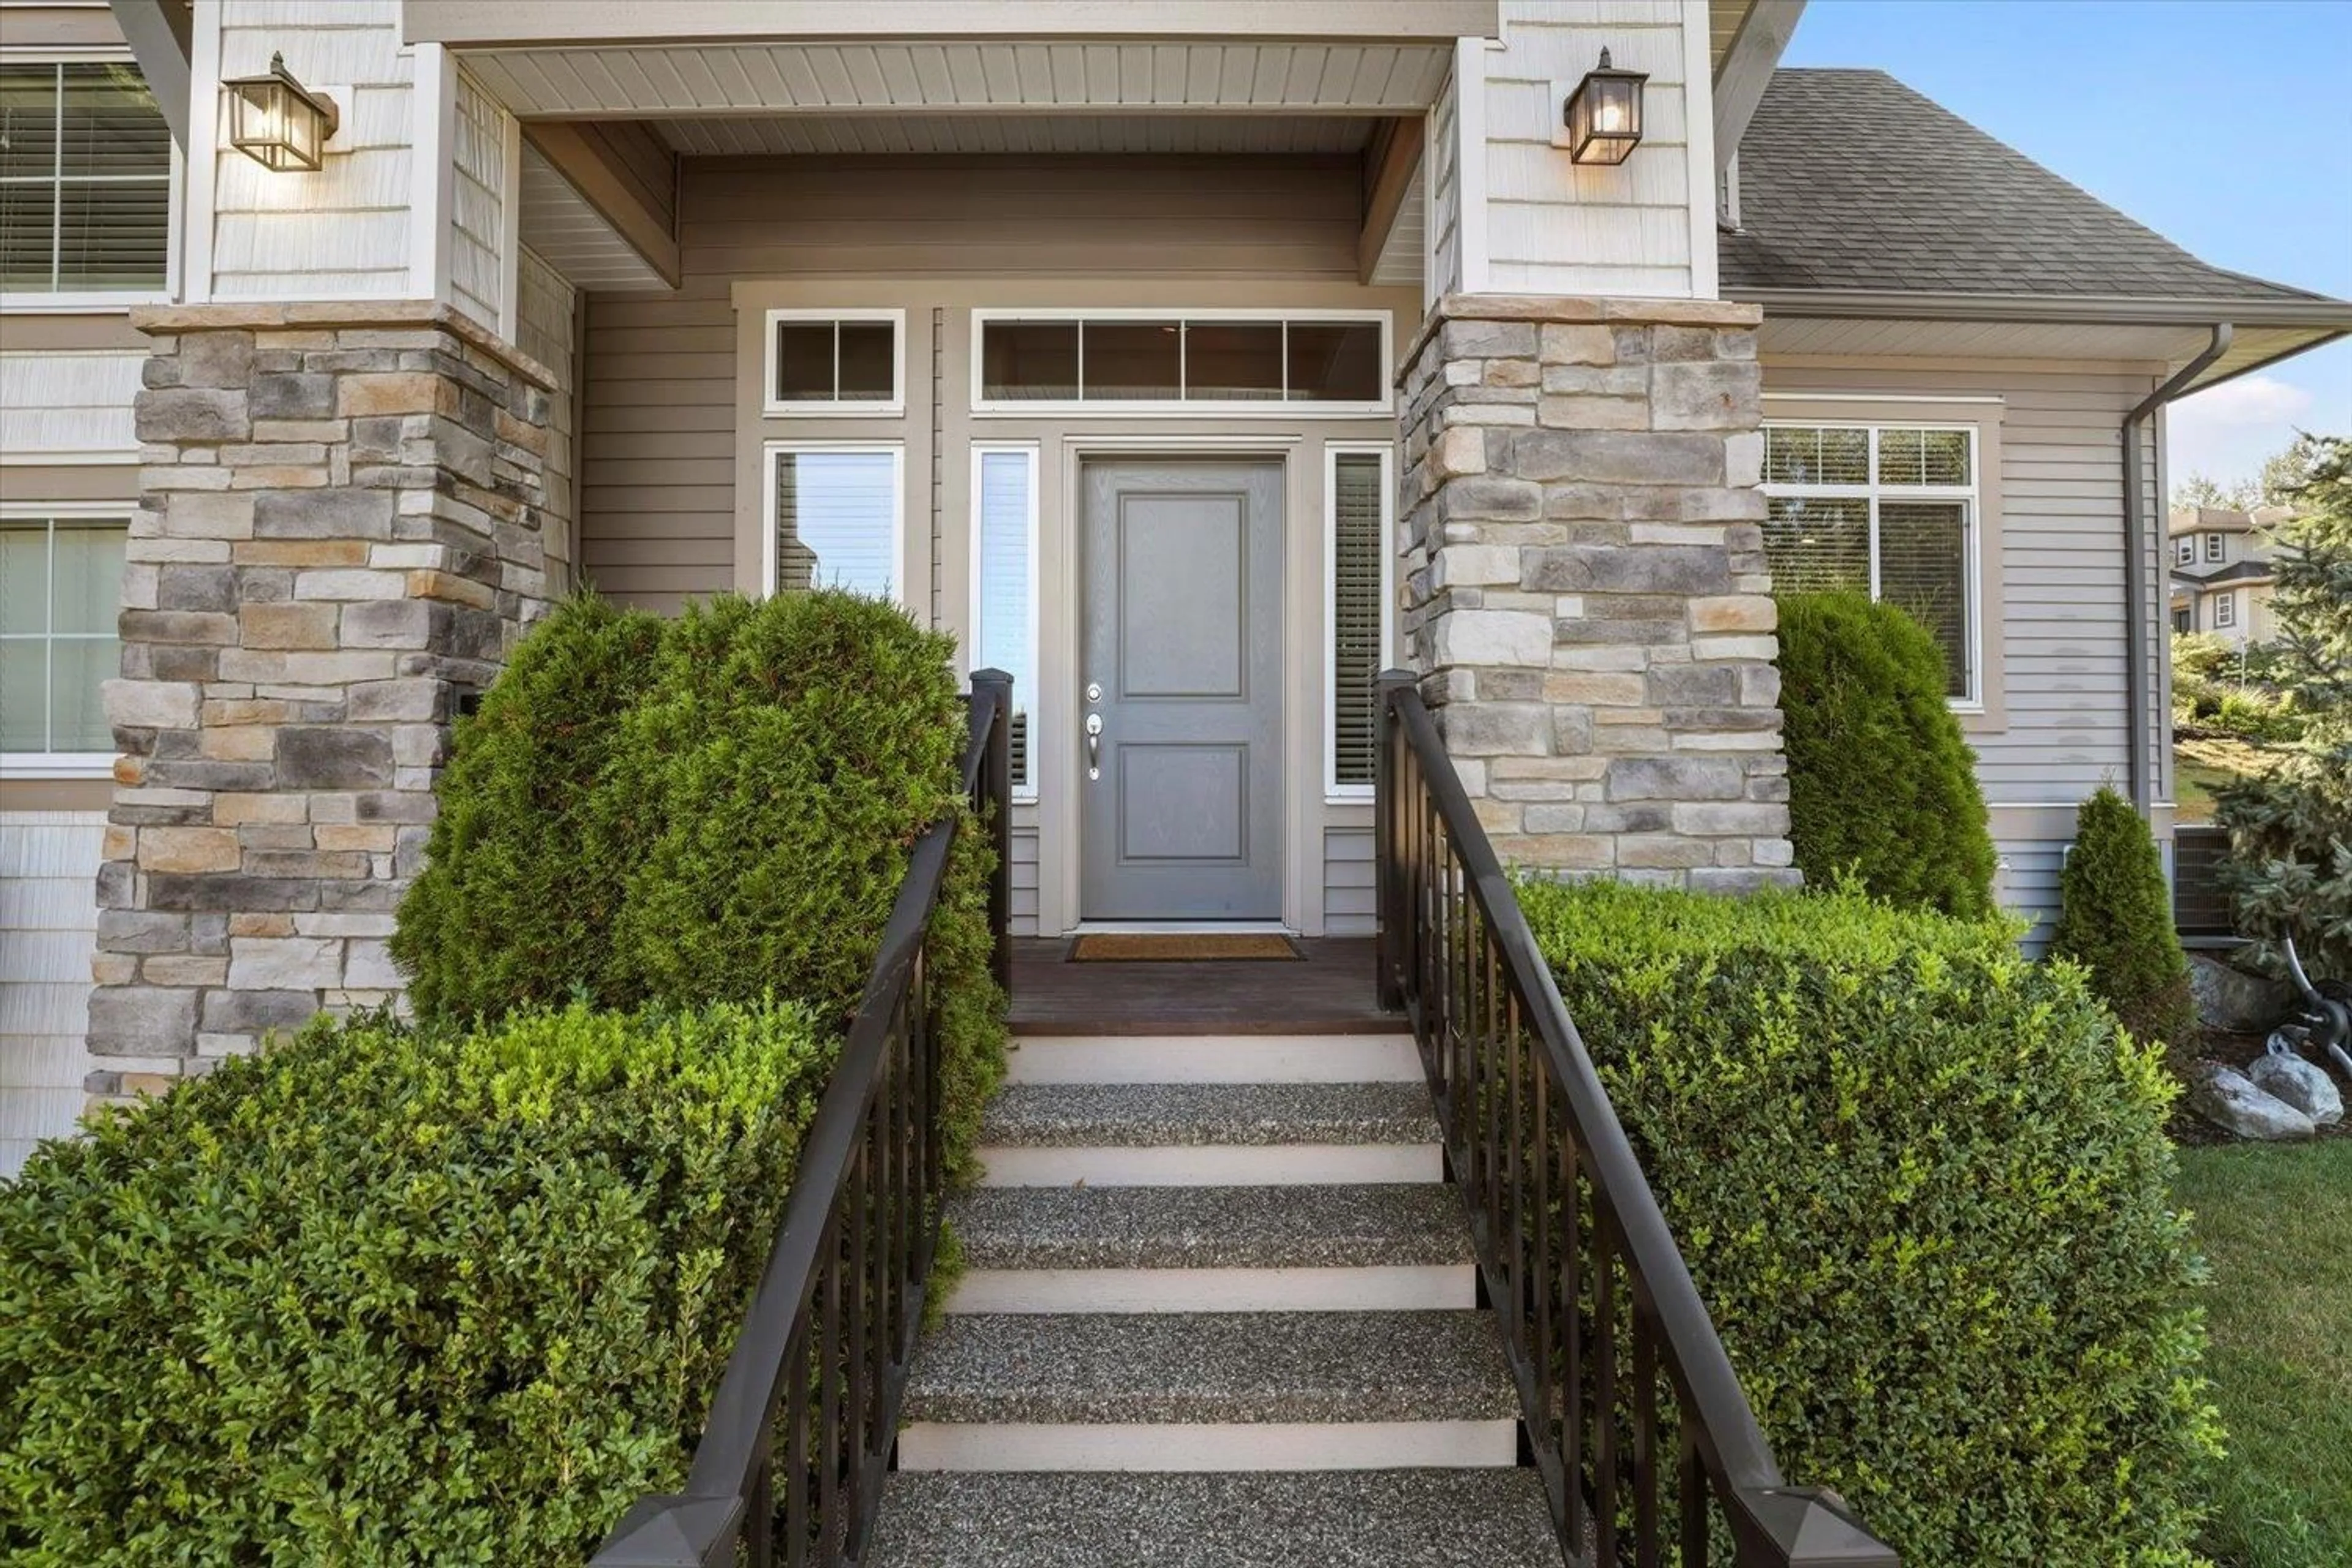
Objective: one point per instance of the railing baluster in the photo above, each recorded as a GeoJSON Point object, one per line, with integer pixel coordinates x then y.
{"type": "Point", "coordinates": [1558, 1206]}
{"type": "Point", "coordinates": [797, 1369]}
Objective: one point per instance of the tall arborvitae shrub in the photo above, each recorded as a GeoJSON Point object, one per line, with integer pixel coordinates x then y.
{"type": "Point", "coordinates": [522, 876]}
{"type": "Point", "coordinates": [1882, 784]}
{"type": "Point", "coordinates": [2114, 918]}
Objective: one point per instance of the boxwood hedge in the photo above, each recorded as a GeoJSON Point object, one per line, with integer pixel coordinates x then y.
{"type": "Point", "coordinates": [1921, 1183]}
{"type": "Point", "coordinates": [384, 1295]}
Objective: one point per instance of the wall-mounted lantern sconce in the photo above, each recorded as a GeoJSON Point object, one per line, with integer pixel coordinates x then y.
{"type": "Point", "coordinates": [276, 122]}
{"type": "Point", "coordinates": [1604, 114]}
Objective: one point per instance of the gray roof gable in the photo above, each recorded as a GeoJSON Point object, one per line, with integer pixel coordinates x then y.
{"type": "Point", "coordinates": [1850, 180]}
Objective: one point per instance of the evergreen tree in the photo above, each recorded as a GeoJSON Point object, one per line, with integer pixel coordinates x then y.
{"type": "Point", "coordinates": [2114, 918]}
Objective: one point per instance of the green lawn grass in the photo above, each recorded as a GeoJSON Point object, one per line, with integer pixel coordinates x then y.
{"type": "Point", "coordinates": [2275, 1222]}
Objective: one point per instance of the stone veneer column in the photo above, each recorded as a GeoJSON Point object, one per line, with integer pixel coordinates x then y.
{"type": "Point", "coordinates": [337, 533]}
{"type": "Point", "coordinates": [1586, 594]}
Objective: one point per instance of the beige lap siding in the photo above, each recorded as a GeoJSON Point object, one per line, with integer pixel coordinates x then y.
{"type": "Point", "coordinates": [2054, 615]}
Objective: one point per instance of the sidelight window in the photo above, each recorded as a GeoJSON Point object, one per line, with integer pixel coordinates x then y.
{"type": "Point", "coordinates": [1004, 586]}
{"type": "Point", "coordinates": [1358, 549]}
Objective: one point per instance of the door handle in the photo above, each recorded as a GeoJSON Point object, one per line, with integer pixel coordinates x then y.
{"type": "Point", "coordinates": [1094, 746]}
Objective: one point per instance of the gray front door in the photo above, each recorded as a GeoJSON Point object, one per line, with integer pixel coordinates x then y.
{"type": "Point", "coordinates": [1181, 662]}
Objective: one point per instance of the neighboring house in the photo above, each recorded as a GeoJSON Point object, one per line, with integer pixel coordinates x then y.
{"type": "Point", "coordinates": [1190, 360]}
{"type": "Point", "coordinates": [2221, 577]}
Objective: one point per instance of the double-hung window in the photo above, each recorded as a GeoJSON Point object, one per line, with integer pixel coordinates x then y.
{"type": "Point", "coordinates": [60, 588]}
{"type": "Point", "coordinates": [1883, 510]}
{"type": "Point", "coordinates": [85, 180]}
{"type": "Point", "coordinates": [835, 517]}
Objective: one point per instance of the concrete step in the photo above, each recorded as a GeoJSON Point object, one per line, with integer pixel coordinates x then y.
{"type": "Point", "coordinates": [1367, 1519]}
{"type": "Point", "coordinates": [1214, 1058]}
{"type": "Point", "coordinates": [1209, 1134]}
{"type": "Point", "coordinates": [1203, 1249]}
{"type": "Point", "coordinates": [1209, 1391]}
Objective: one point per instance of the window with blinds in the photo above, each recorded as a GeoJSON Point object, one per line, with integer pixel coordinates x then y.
{"type": "Point", "coordinates": [1004, 583]}
{"type": "Point", "coordinates": [60, 592]}
{"type": "Point", "coordinates": [837, 520]}
{"type": "Point", "coordinates": [85, 179]}
{"type": "Point", "coordinates": [1887, 510]}
{"type": "Point", "coordinates": [1359, 547]}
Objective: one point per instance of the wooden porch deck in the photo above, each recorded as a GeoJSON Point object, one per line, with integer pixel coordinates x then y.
{"type": "Point", "coordinates": [1327, 992]}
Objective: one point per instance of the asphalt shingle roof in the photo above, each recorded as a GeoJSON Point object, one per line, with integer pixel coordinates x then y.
{"type": "Point", "coordinates": [1848, 179]}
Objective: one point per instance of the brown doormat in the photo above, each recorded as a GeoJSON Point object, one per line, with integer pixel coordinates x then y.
{"type": "Point", "coordinates": [1186, 947]}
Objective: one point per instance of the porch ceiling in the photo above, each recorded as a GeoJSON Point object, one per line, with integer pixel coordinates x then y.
{"type": "Point", "coordinates": [1018, 133]}
{"type": "Point", "coordinates": [570, 235]}
{"type": "Point", "coordinates": [963, 77]}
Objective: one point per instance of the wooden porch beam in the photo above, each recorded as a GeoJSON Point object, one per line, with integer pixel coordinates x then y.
{"type": "Point", "coordinates": [1745, 67]}
{"type": "Point", "coordinates": [627, 173]}
{"type": "Point", "coordinates": [1391, 159]}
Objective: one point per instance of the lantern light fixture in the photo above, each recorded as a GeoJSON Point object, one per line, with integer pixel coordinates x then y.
{"type": "Point", "coordinates": [1603, 115]}
{"type": "Point", "coordinates": [276, 122]}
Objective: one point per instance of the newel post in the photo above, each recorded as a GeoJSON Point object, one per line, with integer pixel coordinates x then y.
{"type": "Point", "coordinates": [1388, 844]}
{"type": "Point", "coordinates": [991, 692]}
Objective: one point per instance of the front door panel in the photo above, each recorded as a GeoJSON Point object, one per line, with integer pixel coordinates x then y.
{"type": "Point", "coordinates": [1180, 660]}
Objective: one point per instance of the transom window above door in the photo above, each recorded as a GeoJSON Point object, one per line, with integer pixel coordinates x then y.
{"type": "Point", "coordinates": [1239, 360]}
{"type": "Point", "coordinates": [836, 362]}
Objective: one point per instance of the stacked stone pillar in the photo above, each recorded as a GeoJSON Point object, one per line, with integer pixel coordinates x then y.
{"type": "Point", "coordinates": [1587, 600]}
{"type": "Point", "coordinates": [338, 537]}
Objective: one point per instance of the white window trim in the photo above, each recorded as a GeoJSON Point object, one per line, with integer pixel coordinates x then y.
{"type": "Point", "coordinates": [2184, 553]}
{"type": "Point", "coordinates": [772, 450]}
{"type": "Point", "coordinates": [1258, 408]}
{"type": "Point", "coordinates": [63, 765]}
{"type": "Point", "coordinates": [2225, 610]}
{"type": "Point", "coordinates": [831, 407]}
{"type": "Point", "coordinates": [88, 302]}
{"type": "Point", "coordinates": [1972, 525]}
{"type": "Point", "coordinates": [2214, 549]}
{"type": "Point", "coordinates": [1334, 792]}
{"type": "Point", "coordinates": [1025, 794]}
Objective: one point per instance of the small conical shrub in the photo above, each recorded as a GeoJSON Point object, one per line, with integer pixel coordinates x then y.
{"type": "Point", "coordinates": [2114, 918]}
{"type": "Point", "coordinates": [1882, 784]}
{"type": "Point", "coordinates": [522, 881]}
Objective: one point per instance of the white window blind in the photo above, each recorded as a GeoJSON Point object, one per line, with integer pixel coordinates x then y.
{"type": "Point", "coordinates": [1886, 510]}
{"type": "Point", "coordinates": [1005, 492]}
{"type": "Point", "coordinates": [85, 179]}
{"type": "Point", "coordinates": [1358, 607]}
{"type": "Point", "coordinates": [836, 520]}
{"type": "Point", "coordinates": [60, 590]}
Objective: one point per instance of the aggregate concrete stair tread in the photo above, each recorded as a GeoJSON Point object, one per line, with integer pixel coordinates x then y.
{"type": "Point", "coordinates": [1212, 1368]}
{"type": "Point", "coordinates": [1077, 1115]}
{"type": "Point", "coordinates": [1351, 1226]}
{"type": "Point", "coordinates": [1272, 1518]}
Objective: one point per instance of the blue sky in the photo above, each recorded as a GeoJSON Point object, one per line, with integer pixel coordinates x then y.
{"type": "Point", "coordinates": [2224, 125]}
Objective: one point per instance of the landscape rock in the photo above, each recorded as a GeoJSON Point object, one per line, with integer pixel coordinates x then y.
{"type": "Point", "coordinates": [2230, 998]}
{"type": "Point", "coordinates": [2232, 1101]}
{"type": "Point", "coordinates": [2301, 1084]}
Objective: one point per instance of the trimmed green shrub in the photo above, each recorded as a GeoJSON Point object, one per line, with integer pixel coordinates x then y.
{"type": "Point", "coordinates": [389, 1297]}
{"type": "Point", "coordinates": [1921, 1183]}
{"type": "Point", "coordinates": [522, 878]}
{"type": "Point", "coordinates": [2114, 918]}
{"type": "Point", "coordinates": [1882, 784]}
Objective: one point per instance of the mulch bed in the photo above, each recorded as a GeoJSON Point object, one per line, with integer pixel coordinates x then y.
{"type": "Point", "coordinates": [2236, 1050]}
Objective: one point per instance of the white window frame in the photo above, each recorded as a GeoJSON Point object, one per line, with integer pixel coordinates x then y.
{"type": "Point", "coordinates": [2225, 610]}
{"type": "Point", "coordinates": [63, 765]}
{"type": "Point", "coordinates": [835, 407]}
{"type": "Point", "coordinates": [1260, 408]}
{"type": "Point", "coordinates": [1334, 792]}
{"type": "Point", "coordinates": [82, 301]}
{"type": "Point", "coordinates": [2184, 552]}
{"type": "Point", "coordinates": [1023, 793]}
{"type": "Point", "coordinates": [2213, 548]}
{"type": "Point", "coordinates": [1972, 521]}
{"type": "Point", "coordinates": [772, 450]}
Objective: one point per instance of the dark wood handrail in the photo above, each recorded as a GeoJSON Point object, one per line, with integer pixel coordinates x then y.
{"type": "Point", "coordinates": [879, 1118]}
{"type": "Point", "coordinates": [1423, 961]}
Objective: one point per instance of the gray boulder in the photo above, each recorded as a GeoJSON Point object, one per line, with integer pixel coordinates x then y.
{"type": "Point", "coordinates": [2232, 1101]}
{"type": "Point", "coordinates": [2299, 1083]}
{"type": "Point", "coordinates": [2230, 998]}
